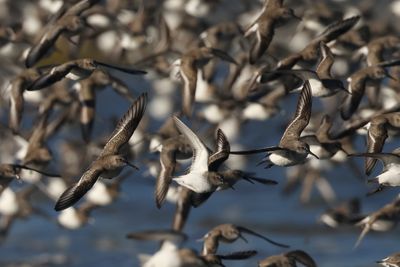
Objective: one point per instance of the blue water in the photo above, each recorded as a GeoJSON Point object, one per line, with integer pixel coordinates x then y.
{"type": "Point", "coordinates": [261, 208]}
{"type": "Point", "coordinates": [266, 210]}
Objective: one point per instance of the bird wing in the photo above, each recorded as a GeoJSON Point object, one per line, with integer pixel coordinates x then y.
{"type": "Point", "coordinates": [324, 67]}
{"type": "Point", "coordinates": [334, 30]}
{"type": "Point", "coordinates": [52, 76]}
{"type": "Point", "coordinates": [183, 208]}
{"type": "Point", "coordinates": [200, 151]}
{"type": "Point", "coordinates": [188, 72]}
{"type": "Point", "coordinates": [302, 115]}
{"type": "Point", "coordinates": [168, 162]}
{"type": "Point", "coordinates": [377, 134]}
{"type": "Point", "coordinates": [43, 46]}
{"type": "Point", "coordinates": [126, 126]}
{"type": "Point", "coordinates": [75, 192]}
{"type": "Point", "coordinates": [222, 152]}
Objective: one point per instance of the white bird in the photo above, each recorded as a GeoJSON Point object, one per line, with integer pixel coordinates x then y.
{"type": "Point", "coordinates": [199, 179]}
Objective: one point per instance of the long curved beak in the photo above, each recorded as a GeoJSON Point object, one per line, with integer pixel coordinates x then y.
{"type": "Point", "coordinates": [243, 238]}
{"type": "Point", "coordinates": [391, 77]}
{"type": "Point", "coordinates": [311, 153]}
{"type": "Point", "coordinates": [131, 165]}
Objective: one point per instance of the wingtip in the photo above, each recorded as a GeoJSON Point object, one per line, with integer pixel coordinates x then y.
{"type": "Point", "coordinates": [68, 198]}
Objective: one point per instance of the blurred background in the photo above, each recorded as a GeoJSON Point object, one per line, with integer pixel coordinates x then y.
{"type": "Point", "coordinates": [287, 215]}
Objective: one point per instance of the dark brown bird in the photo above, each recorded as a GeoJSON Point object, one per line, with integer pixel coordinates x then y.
{"type": "Point", "coordinates": [15, 90]}
{"type": "Point", "coordinates": [273, 15]}
{"type": "Point", "coordinates": [189, 65]}
{"type": "Point", "coordinates": [229, 233]}
{"type": "Point", "coordinates": [68, 22]}
{"type": "Point", "coordinates": [288, 259]}
{"type": "Point", "coordinates": [357, 83]}
{"type": "Point", "coordinates": [310, 52]}
{"type": "Point", "coordinates": [75, 70]}
{"type": "Point", "coordinates": [111, 160]}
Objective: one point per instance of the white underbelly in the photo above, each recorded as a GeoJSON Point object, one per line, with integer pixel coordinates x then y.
{"type": "Point", "coordinates": [281, 158]}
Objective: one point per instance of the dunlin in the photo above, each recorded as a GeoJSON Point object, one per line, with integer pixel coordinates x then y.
{"type": "Point", "coordinates": [391, 168]}
{"type": "Point", "coordinates": [374, 50]}
{"type": "Point", "coordinates": [229, 233]}
{"type": "Point", "coordinates": [190, 65]}
{"type": "Point", "coordinates": [111, 161]}
{"type": "Point", "coordinates": [74, 218]}
{"type": "Point", "coordinates": [321, 81]}
{"type": "Point", "coordinates": [357, 82]}
{"type": "Point", "coordinates": [291, 150]}
{"type": "Point", "coordinates": [75, 70]}
{"type": "Point", "coordinates": [15, 90]}
{"type": "Point", "coordinates": [169, 254]}
{"type": "Point", "coordinates": [87, 99]}
{"type": "Point", "coordinates": [199, 179]}
{"type": "Point", "coordinates": [10, 172]}
{"type": "Point", "coordinates": [383, 219]}
{"type": "Point", "coordinates": [69, 22]}
{"type": "Point", "coordinates": [288, 259]}
{"type": "Point", "coordinates": [346, 213]}
{"type": "Point", "coordinates": [392, 260]}
{"type": "Point", "coordinates": [310, 52]}
{"type": "Point", "coordinates": [273, 15]}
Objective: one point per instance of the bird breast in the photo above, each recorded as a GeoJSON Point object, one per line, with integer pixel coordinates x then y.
{"type": "Point", "coordinates": [286, 158]}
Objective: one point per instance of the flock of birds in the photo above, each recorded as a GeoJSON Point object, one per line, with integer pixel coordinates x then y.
{"type": "Point", "coordinates": [343, 60]}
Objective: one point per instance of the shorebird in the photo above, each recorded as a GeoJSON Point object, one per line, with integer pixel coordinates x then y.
{"type": "Point", "coordinates": [74, 218]}
{"type": "Point", "coordinates": [391, 168]}
{"type": "Point", "coordinates": [321, 81]}
{"type": "Point", "coordinates": [273, 15]}
{"type": "Point", "coordinates": [77, 69]}
{"type": "Point", "coordinates": [10, 172]}
{"type": "Point", "coordinates": [15, 91]}
{"type": "Point", "coordinates": [190, 65]}
{"type": "Point", "coordinates": [291, 149]}
{"type": "Point", "coordinates": [16, 205]}
{"type": "Point", "coordinates": [87, 97]}
{"type": "Point", "coordinates": [111, 160]}
{"type": "Point", "coordinates": [392, 260]}
{"type": "Point", "coordinates": [199, 179]}
{"type": "Point", "coordinates": [384, 219]}
{"type": "Point", "coordinates": [220, 35]}
{"type": "Point", "coordinates": [357, 82]}
{"type": "Point", "coordinates": [229, 233]}
{"type": "Point", "coordinates": [171, 255]}
{"type": "Point", "coordinates": [103, 194]}
{"type": "Point", "coordinates": [37, 151]}
{"type": "Point", "coordinates": [68, 22]}
{"type": "Point", "coordinates": [288, 259]}
{"type": "Point", "coordinates": [310, 52]}
{"type": "Point", "coordinates": [346, 213]}
{"type": "Point", "coordinates": [374, 50]}
{"type": "Point", "coordinates": [378, 129]}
